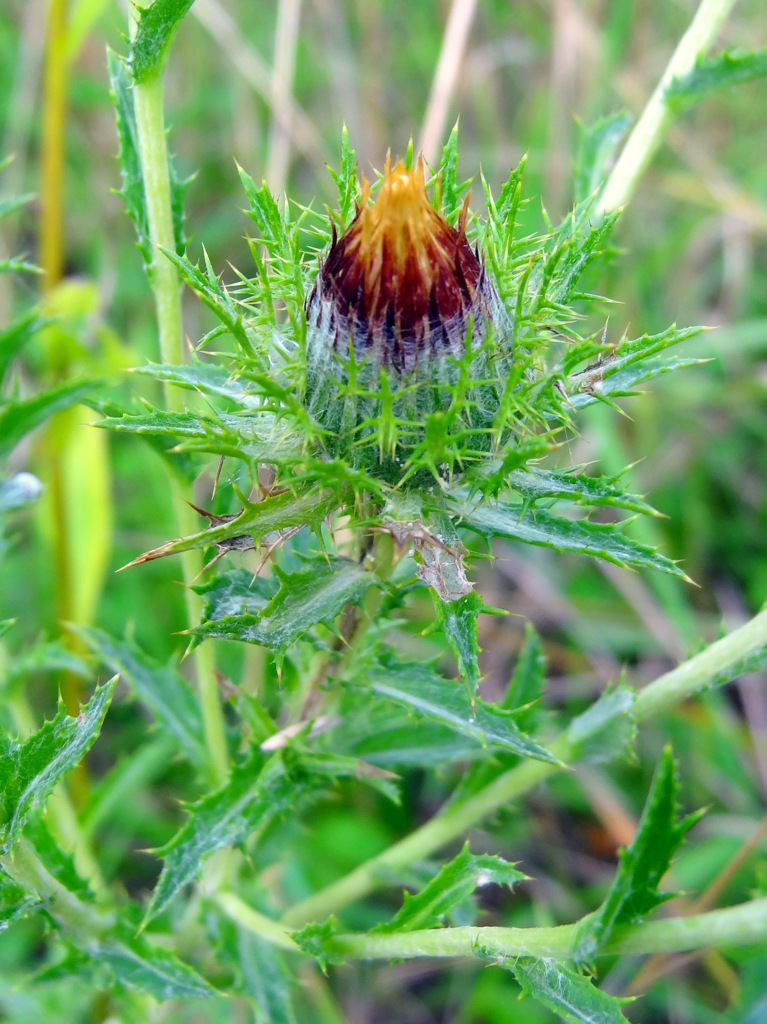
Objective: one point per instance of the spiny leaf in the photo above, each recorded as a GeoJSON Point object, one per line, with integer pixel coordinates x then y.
{"type": "Point", "coordinates": [256, 794]}
{"type": "Point", "coordinates": [634, 890]}
{"type": "Point", "coordinates": [389, 736]}
{"type": "Point", "coordinates": [236, 592]}
{"type": "Point", "coordinates": [452, 886]}
{"type": "Point", "coordinates": [280, 512]}
{"type": "Point", "coordinates": [534, 483]}
{"type": "Point", "coordinates": [156, 27]}
{"type": "Point", "coordinates": [529, 676]}
{"type": "Point", "coordinates": [15, 336]}
{"type": "Point", "coordinates": [458, 620]}
{"type": "Point", "coordinates": [30, 770]}
{"type": "Point", "coordinates": [420, 688]}
{"type": "Point", "coordinates": [160, 687]}
{"type": "Point", "coordinates": [137, 963]}
{"type": "Point", "coordinates": [597, 147]}
{"type": "Point", "coordinates": [133, 190]}
{"type": "Point", "coordinates": [570, 995]}
{"type": "Point", "coordinates": [317, 940]}
{"type": "Point", "coordinates": [265, 978]}
{"type": "Point", "coordinates": [605, 729]}
{"type": "Point", "coordinates": [17, 418]}
{"type": "Point", "coordinates": [603, 540]}
{"type": "Point", "coordinates": [315, 594]}
{"type": "Point", "coordinates": [718, 72]}
{"type": "Point", "coordinates": [346, 181]}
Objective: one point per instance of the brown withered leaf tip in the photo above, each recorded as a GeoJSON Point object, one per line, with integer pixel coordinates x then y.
{"type": "Point", "coordinates": [401, 282]}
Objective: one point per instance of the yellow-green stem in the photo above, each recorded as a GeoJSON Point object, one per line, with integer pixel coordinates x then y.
{"type": "Point", "coordinates": [656, 117]}
{"type": "Point", "coordinates": [150, 124]}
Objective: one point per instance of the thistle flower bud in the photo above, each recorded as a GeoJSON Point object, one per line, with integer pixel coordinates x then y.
{"type": "Point", "coordinates": [401, 307]}
{"type": "Point", "coordinates": [401, 284]}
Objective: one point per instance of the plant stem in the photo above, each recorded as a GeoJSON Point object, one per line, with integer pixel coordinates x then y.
{"type": "Point", "coordinates": [716, 929]}
{"type": "Point", "coordinates": [255, 922]}
{"type": "Point", "coordinates": [716, 665]}
{"type": "Point", "coordinates": [150, 124]}
{"type": "Point", "coordinates": [26, 869]}
{"type": "Point", "coordinates": [656, 117]}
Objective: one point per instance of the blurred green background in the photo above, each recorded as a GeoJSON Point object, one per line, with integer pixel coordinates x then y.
{"type": "Point", "coordinates": [269, 85]}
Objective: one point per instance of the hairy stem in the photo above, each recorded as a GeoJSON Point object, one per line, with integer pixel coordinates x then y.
{"type": "Point", "coordinates": [717, 664]}
{"type": "Point", "coordinates": [150, 123]}
{"type": "Point", "coordinates": [656, 117]}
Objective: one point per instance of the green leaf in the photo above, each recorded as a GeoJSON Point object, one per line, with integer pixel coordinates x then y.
{"type": "Point", "coordinates": [419, 688]}
{"type": "Point", "coordinates": [346, 181]}
{"type": "Point", "coordinates": [317, 940]}
{"type": "Point", "coordinates": [254, 796]}
{"type": "Point", "coordinates": [133, 190]}
{"type": "Point", "coordinates": [529, 677]}
{"type": "Point", "coordinates": [634, 890]}
{"type": "Point", "coordinates": [281, 512]}
{"type": "Point", "coordinates": [540, 527]}
{"type": "Point", "coordinates": [534, 483]}
{"type": "Point", "coordinates": [9, 206]}
{"type": "Point", "coordinates": [605, 729]}
{"type": "Point", "coordinates": [14, 337]}
{"type": "Point", "coordinates": [156, 27]}
{"type": "Point", "coordinates": [389, 736]}
{"type": "Point", "coordinates": [458, 620]}
{"type": "Point", "coordinates": [452, 886]}
{"type": "Point", "coordinates": [718, 72]}
{"type": "Point", "coordinates": [570, 995]}
{"type": "Point", "coordinates": [315, 594]}
{"type": "Point", "coordinates": [30, 770]}
{"type": "Point", "coordinates": [17, 418]}
{"type": "Point", "coordinates": [16, 902]}
{"type": "Point", "coordinates": [58, 862]}
{"type": "Point", "coordinates": [164, 691]}
{"type": "Point", "coordinates": [449, 188]}
{"type": "Point", "coordinates": [235, 592]}
{"type": "Point", "coordinates": [266, 980]}
{"type": "Point", "coordinates": [596, 151]}
{"type": "Point", "coordinates": [137, 963]}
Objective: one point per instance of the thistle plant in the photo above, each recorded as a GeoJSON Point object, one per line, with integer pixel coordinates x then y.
{"type": "Point", "coordinates": [387, 395]}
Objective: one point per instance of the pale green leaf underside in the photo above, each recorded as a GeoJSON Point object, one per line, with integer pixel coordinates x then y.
{"type": "Point", "coordinates": [419, 688]}
{"type": "Point", "coordinates": [569, 994]}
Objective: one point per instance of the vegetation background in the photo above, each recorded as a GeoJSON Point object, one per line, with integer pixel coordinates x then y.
{"type": "Point", "coordinates": [270, 85]}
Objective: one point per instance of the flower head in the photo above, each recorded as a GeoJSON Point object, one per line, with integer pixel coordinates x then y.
{"type": "Point", "coordinates": [401, 284]}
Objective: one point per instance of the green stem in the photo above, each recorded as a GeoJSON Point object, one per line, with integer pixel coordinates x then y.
{"type": "Point", "coordinates": [26, 869]}
{"type": "Point", "coordinates": [717, 664]}
{"type": "Point", "coordinates": [658, 115]}
{"type": "Point", "coordinates": [717, 929]}
{"type": "Point", "coordinates": [153, 153]}
{"type": "Point", "coordinates": [255, 922]}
